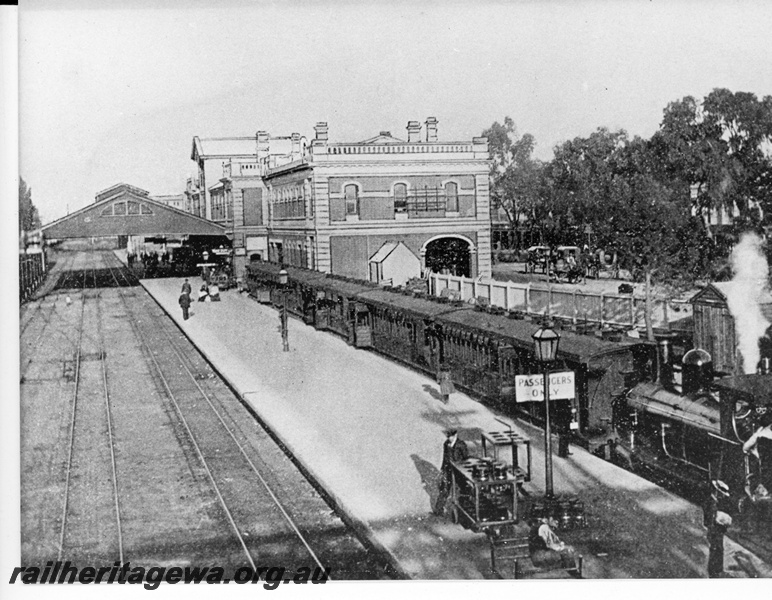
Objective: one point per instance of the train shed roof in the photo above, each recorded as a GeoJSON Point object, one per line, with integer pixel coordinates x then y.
{"type": "Point", "coordinates": [127, 210]}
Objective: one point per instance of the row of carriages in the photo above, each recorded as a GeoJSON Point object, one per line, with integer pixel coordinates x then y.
{"type": "Point", "coordinates": [483, 350]}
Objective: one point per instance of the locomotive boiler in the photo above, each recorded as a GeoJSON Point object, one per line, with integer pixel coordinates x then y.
{"type": "Point", "coordinates": [688, 427]}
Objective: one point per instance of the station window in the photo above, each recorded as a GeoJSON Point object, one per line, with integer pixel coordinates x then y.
{"type": "Point", "coordinates": [133, 208]}
{"type": "Point", "coordinates": [400, 197]}
{"type": "Point", "coordinates": [351, 192]}
{"type": "Point", "coordinates": [119, 208]}
{"type": "Point", "coordinates": [146, 210]}
{"type": "Point", "coordinates": [451, 197]}
{"type": "Point", "coordinates": [108, 211]}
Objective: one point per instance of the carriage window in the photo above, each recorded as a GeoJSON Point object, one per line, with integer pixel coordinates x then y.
{"type": "Point", "coordinates": [351, 192]}
{"type": "Point", "coordinates": [400, 198]}
{"type": "Point", "coordinates": [451, 197]}
{"type": "Point", "coordinates": [119, 208]}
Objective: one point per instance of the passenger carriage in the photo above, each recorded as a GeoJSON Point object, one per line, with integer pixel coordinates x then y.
{"type": "Point", "coordinates": [486, 352]}
{"type": "Point", "coordinates": [405, 328]}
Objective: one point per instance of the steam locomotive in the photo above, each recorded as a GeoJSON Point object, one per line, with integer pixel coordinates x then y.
{"type": "Point", "coordinates": [688, 426]}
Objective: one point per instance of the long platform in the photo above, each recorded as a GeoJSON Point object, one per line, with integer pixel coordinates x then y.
{"type": "Point", "coordinates": [371, 432]}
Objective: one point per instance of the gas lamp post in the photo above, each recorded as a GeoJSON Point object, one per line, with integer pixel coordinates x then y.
{"type": "Point", "coordinates": [283, 278]}
{"type": "Point", "coordinates": [546, 342]}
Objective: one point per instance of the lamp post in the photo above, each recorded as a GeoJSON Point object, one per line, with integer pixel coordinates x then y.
{"type": "Point", "coordinates": [283, 278]}
{"type": "Point", "coordinates": [546, 342]}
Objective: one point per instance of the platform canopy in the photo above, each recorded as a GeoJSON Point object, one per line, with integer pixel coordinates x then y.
{"type": "Point", "coordinates": [127, 210]}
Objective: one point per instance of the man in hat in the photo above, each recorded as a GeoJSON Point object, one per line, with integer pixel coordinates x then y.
{"type": "Point", "coordinates": [184, 301]}
{"type": "Point", "coordinates": [186, 289]}
{"type": "Point", "coordinates": [717, 520]}
{"type": "Point", "coordinates": [453, 450]}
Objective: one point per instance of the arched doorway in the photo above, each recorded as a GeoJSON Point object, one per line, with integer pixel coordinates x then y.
{"type": "Point", "coordinates": [449, 255]}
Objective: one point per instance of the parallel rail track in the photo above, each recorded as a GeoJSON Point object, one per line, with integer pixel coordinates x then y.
{"type": "Point", "coordinates": [201, 439]}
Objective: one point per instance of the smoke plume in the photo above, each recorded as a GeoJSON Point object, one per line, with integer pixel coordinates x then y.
{"type": "Point", "coordinates": [749, 286]}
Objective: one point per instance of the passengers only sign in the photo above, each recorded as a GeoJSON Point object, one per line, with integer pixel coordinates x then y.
{"type": "Point", "coordinates": [530, 388]}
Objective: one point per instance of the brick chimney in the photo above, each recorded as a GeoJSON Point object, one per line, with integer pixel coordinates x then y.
{"type": "Point", "coordinates": [321, 131]}
{"type": "Point", "coordinates": [413, 131]}
{"type": "Point", "coordinates": [431, 129]}
{"type": "Point", "coordinates": [263, 144]}
{"type": "Point", "coordinates": [295, 146]}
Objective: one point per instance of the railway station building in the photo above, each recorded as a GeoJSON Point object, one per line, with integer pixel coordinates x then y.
{"type": "Point", "coordinates": [229, 189]}
{"type": "Point", "coordinates": [351, 208]}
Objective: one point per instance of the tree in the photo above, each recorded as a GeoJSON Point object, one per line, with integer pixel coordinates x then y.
{"type": "Point", "coordinates": [29, 218]}
{"type": "Point", "coordinates": [613, 184]}
{"type": "Point", "coordinates": [515, 176]}
{"type": "Point", "coordinates": [720, 148]}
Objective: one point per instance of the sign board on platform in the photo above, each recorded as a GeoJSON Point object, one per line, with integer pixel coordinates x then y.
{"type": "Point", "coordinates": [530, 388]}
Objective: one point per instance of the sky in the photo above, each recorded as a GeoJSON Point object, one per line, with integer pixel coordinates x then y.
{"type": "Point", "coordinates": [114, 91]}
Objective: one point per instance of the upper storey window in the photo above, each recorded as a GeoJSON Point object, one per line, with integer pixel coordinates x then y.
{"type": "Point", "coordinates": [400, 198]}
{"type": "Point", "coordinates": [451, 197]}
{"type": "Point", "coordinates": [351, 192]}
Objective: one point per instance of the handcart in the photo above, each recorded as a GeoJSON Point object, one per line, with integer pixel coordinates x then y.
{"type": "Point", "coordinates": [485, 490]}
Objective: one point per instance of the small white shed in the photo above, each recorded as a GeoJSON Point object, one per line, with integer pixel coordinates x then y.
{"type": "Point", "coordinates": [394, 264]}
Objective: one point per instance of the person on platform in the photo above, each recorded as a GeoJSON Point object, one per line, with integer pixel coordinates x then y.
{"type": "Point", "coordinates": [453, 450]}
{"type": "Point", "coordinates": [547, 549]}
{"type": "Point", "coordinates": [445, 379]}
{"type": "Point", "coordinates": [717, 520]}
{"type": "Point", "coordinates": [203, 293]}
{"type": "Point", "coordinates": [214, 292]}
{"type": "Point", "coordinates": [185, 304]}
{"type": "Point", "coordinates": [186, 289]}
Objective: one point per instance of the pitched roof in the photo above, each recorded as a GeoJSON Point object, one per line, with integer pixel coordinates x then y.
{"type": "Point", "coordinates": [152, 217]}
{"type": "Point", "coordinates": [223, 147]}
{"type": "Point", "coordinates": [384, 251]}
{"type": "Point", "coordinates": [384, 137]}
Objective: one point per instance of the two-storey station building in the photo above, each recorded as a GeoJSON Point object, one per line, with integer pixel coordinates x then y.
{"type": "Point", "coordinates": [383, 209]}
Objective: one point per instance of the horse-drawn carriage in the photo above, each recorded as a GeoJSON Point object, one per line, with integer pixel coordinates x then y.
{"type": "Point", "coordinates": [538, 258]}
{"type": "Point", "coordinates": [567, 265]}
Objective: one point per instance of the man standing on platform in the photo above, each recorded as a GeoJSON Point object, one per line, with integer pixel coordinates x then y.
{"type": "Point", "coordinates": [186, 289]}
{"type": "Point", "coordinates": [717, 520]}
{"type": "Point", "coordinates": [453, 450]}
{"type": "Point", "coordinates": [185, 304]}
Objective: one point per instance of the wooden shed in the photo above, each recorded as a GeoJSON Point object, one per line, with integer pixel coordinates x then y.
{"type": "Point", "coordinates": [714, 326]}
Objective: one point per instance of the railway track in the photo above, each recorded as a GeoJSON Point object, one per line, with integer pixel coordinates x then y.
{"type": "Point", "coordinates": [85, 463]}
{"type": "Point", "coordinates": [236, 470]}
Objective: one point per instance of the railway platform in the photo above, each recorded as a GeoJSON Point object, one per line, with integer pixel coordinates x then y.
{"type": "Point", "coordinates": [370, 432]}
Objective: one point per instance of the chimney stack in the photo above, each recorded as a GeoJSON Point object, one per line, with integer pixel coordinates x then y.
{"type": "Point", "coordinates": [263, 144]}
{"type": "Point", "coordinates": [321, 131]}
{"type": "Point", "coordinates": [413, 131]}
{"type": "Point", "coordinates": [431, 129]}
{"type": "Point", "coordinates": [295, 146]}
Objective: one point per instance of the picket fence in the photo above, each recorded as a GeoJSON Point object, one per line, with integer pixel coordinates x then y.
{"type": "Point", "coordinates": [578, 306]}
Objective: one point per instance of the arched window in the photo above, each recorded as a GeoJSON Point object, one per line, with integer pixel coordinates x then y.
{"type": "Point", "coordinates": [108, 211]}
{"type": "Point", "coordinates": [400, 198]}
{"type": "Point", "coordinates": [451, 197]}
{"type": "Point", "coordinates": [119, 208]}
{"type": "Point", "coordinates": [351, 192]}
{"type": "Point", "coordinates": [133, 208]}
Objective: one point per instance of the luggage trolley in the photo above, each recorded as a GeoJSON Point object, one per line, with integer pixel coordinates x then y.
{"type": "Point", "coordinates": [484, 490]}
{"type": "Point", "coordinates": [503, 446]}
